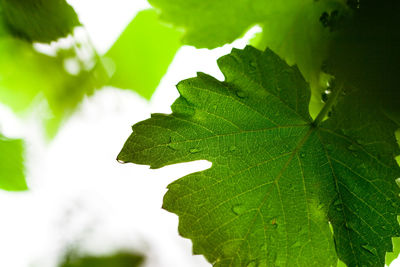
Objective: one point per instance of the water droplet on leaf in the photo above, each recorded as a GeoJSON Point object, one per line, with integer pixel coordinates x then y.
{"type": "Point", "coordinates": [303, 155]}
{"type": "Point", "coordinates": [338, 204]}
{"type": "Point", "coordinates": [238, 209]}
{"type": "Point", "coordinates": [274, 223]}
{"type": "Point", "coordinates": [241, 94]}
{"type": "Point", "coordinates": [370, 249]}
{"type": "Point", "coordinates": [329, 147]}
{"type": "Point", "coordinates": [339, 208]}
{"type": "Point", "coordinates": [303, 231]}
{"type": "Point", "coordinates": [252, 264]}
{"type": "Point", "coordinates": [352, 147]}
{"type": "Point", "coordinates": [346, 132]}
{"type": "Point", "coordinates": [360, 142]}
{"type": "Point", "coordinates": [290, 187]}
{"type": "Point", "coordinates": [171, 144]}
{"type": "Point", "coordinates": [338, 201]}
{"type": "Point", "coordinates": [297, 244]}
{"type": "Point", "coordinates": [121, 161]}
{"type": "Point", "coordinates": [253, 65]}
{"type": "Point", "coordinates": [194, 150]}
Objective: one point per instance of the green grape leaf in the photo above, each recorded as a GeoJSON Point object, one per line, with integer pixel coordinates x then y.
{"type": "Point", "coordinates": [38, 21]}
{"type": "Point", "coordinates": [283, 189]}
{"type": "Point", "coordinates": [12, 177]}
{"type": "Point", "coordinates": [121, 259]}
{"type": "Point", "coordinates": [142, 53]}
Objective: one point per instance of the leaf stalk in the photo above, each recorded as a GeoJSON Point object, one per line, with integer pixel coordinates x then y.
{"type": "Point", "coordinates": [328, 105]}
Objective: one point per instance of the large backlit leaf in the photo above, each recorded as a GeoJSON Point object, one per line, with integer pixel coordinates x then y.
{"type": "Point", "coordinates": [143, 53]}
{"type": "Point", "coordinates": [283, 189]}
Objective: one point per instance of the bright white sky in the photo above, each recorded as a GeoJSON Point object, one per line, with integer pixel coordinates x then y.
{"type": "Point", "coordinates": [80, 196]}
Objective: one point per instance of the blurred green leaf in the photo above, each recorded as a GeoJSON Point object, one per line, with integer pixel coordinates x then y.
{"type": "Point", "coordinates": [142, 53]}
{"type": "Point", "coordinates": [26, 74]}
{"type": "Point", "coordinates": [299, 31]}
{"type": "Point", "coordinates": [141, 57]}
{"type": "Point", "coordinates": [39, 20]}
{"type": "Point", "coordinates": [117, 260]}
{"type": "Point", "coordinates": [12, 176]}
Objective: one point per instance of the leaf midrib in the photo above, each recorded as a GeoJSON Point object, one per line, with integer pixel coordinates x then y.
{"type": "Point", "coordinates": [335, 179]}
{"type": "Point", "coordinates": [216, 135]}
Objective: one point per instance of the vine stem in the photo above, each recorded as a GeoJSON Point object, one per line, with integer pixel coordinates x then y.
{"type": "Point", "coordinates": [328, 105]}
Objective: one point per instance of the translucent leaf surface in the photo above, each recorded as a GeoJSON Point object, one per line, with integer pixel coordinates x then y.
{"type": "Point", "coordinates": [142, 53]}
{"type": "Point", "coordinates": [283, 190]}
{"type": "Point", "coordinates": [12, 177]}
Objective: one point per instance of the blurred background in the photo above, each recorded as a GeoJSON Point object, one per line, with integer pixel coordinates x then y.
{"type": "Point", "coordinates": [80, 199]}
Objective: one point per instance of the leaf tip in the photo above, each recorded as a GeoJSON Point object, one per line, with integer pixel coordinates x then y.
{"type": "Point", "coordinates": [122, 157]}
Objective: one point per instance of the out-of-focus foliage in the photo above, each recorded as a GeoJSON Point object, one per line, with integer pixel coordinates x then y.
{"type": "Point", "coordinates": [122, 259]}
{"type": "Point", "coordinates": [62, 79]}
{"type": "Point", "coordinates": [39, 20]}
{"type": "Point", "coordinates": [141, 57]}
{"type": "Point", "coordinates": [143, 53]}
{"type": "Point", "coordinates": [299, 31]}
{"type": "Point", "coordinates": [11, 164]}
{"type": "Point", "coordinates": [22, 22]}
{"type": "Point", "coordinates": [27, 75]}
